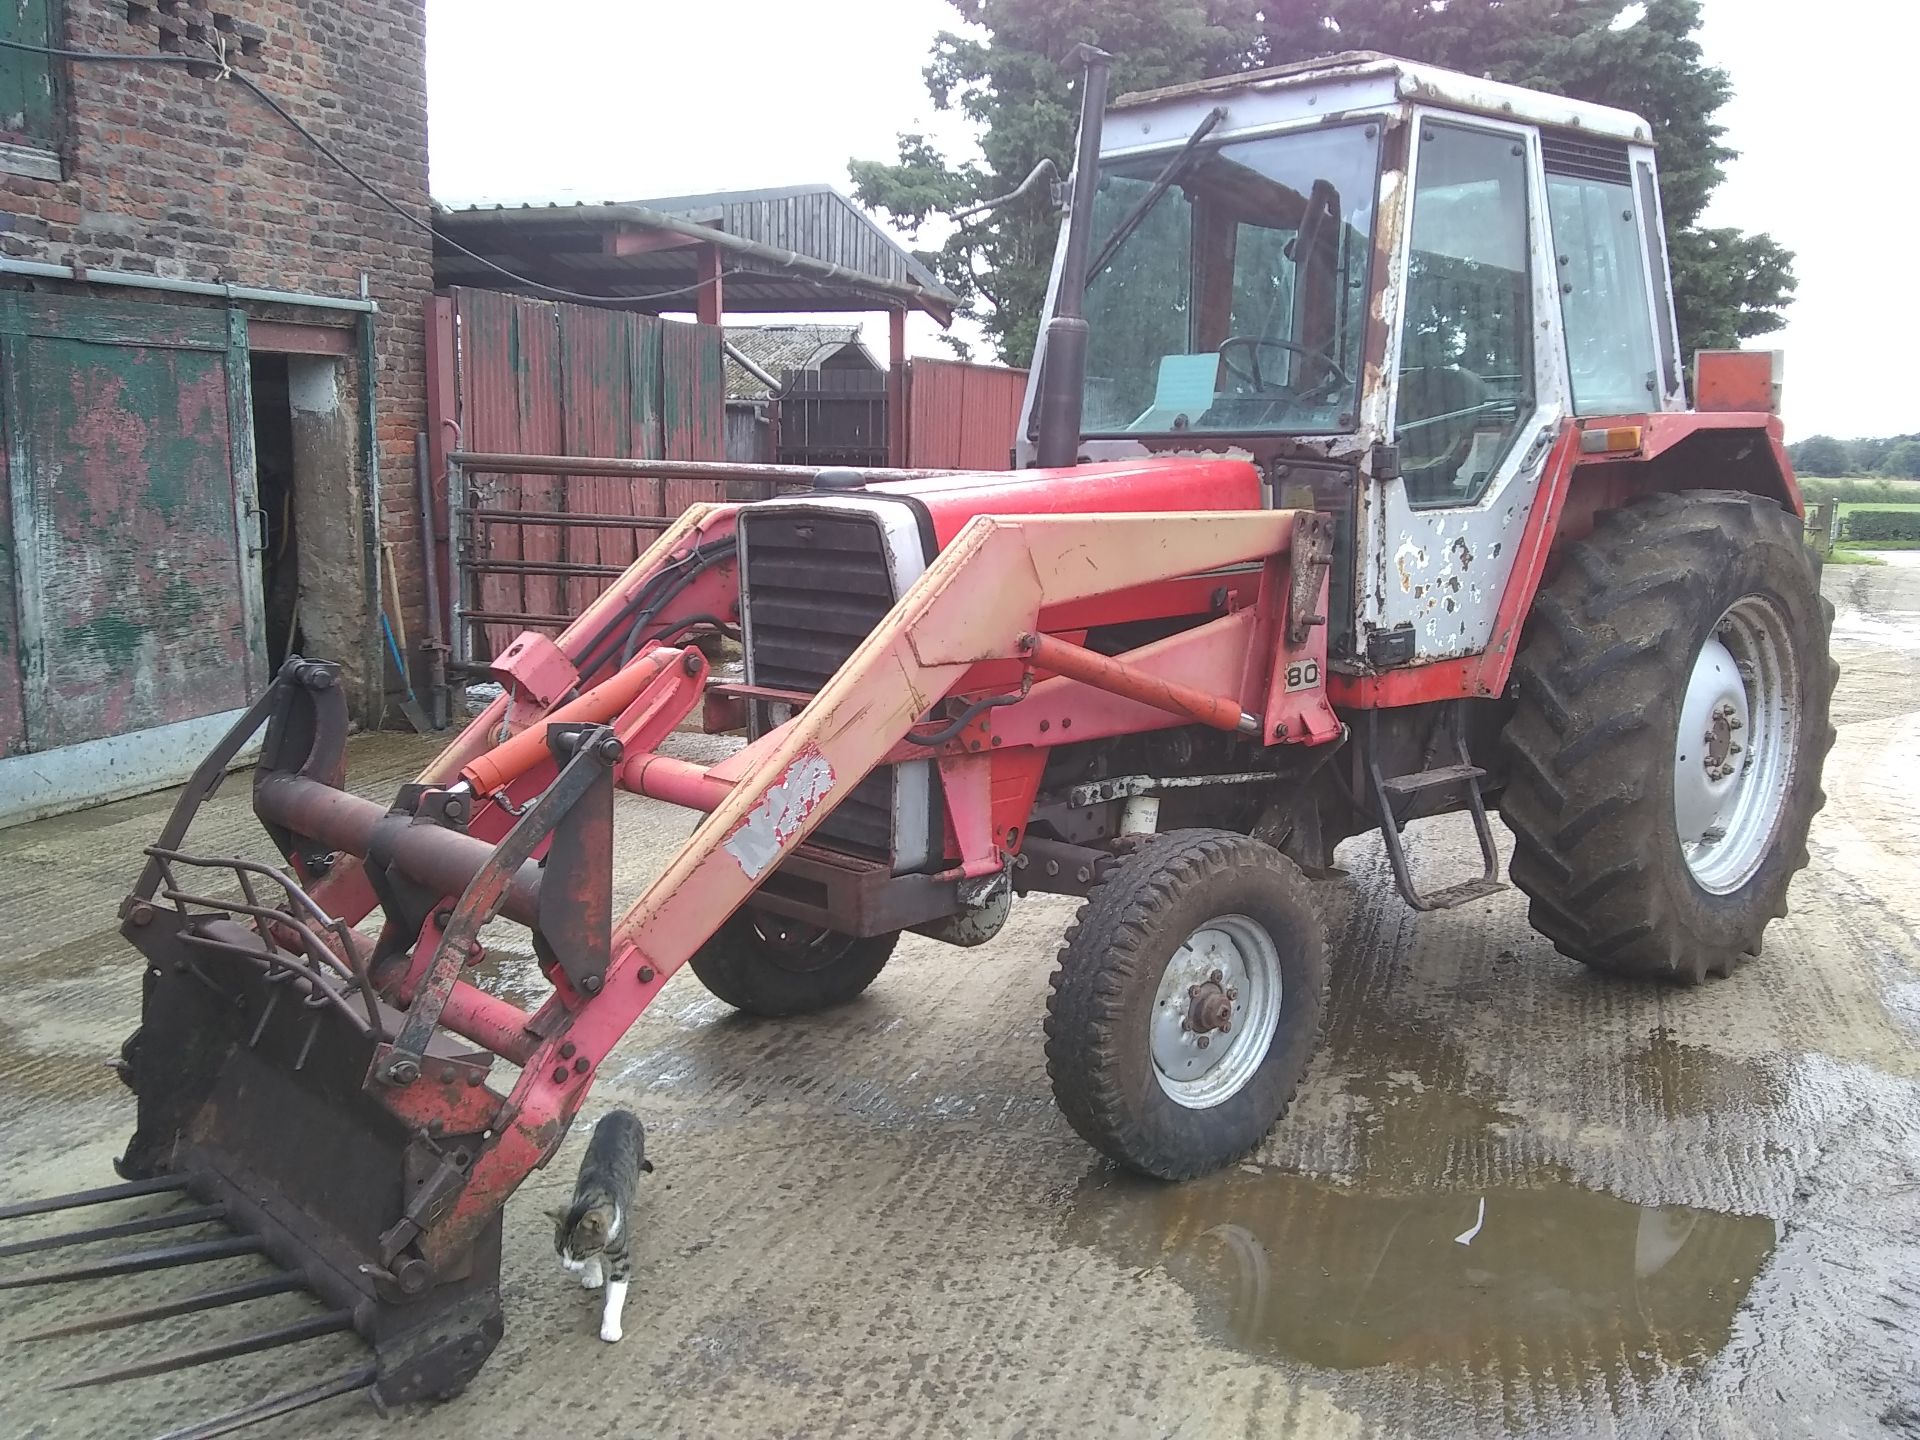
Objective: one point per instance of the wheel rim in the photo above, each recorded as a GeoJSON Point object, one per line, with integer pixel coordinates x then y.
{"type": "Point", "coordinates": [1216, 1011]}
{"type": "Point", "coordinates": [1734, 754]}
{"type": "Point", "coordinates": [798, 947]}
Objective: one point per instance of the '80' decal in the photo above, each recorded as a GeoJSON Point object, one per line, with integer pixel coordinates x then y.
{"type": "Point", "coordinates": [1302, 675]}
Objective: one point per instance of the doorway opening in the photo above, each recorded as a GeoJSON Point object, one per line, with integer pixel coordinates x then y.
{"type": "Point", "coordinates": [273, 464]}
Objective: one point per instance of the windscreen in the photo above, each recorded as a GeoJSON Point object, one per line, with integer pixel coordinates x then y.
{"type": "Point", "coordinates": [1229, 287]}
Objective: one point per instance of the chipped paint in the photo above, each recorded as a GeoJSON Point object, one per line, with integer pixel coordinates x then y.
{"type": "Point", "coordinates": [1408, 558]}
{"type": "Point", "coordinates": [782, 812]}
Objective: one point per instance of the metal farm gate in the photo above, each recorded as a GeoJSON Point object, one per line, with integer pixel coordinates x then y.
{"type": "Point", "coordinates": [532, 377]}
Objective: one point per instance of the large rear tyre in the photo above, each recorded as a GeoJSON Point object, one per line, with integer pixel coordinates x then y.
{"type": "Point", "coordinates": [1671, 724]}
{"type": "Point", "coordinates": [1187, 1002]}
{"type": "Point", "coordinates": [770, 966]}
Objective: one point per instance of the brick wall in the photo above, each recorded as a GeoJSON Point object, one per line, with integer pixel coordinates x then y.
{"type": "Point", "coordinates": [173, 174]}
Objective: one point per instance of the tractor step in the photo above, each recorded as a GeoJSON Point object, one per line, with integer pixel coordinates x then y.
{"type": "Point", "coordinates": [1461, 894]}
{"type": "Point", "coordinates": [1432, 779]}
{"type": "Point", "coordinates": [1466, 775]}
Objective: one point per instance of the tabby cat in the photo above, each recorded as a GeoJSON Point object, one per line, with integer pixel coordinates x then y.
{"type": "Point", "coordinates": [594, 1235]}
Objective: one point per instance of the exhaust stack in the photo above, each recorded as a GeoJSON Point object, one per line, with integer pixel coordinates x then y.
{"type": "Point", "coordinates": [1064, 373]}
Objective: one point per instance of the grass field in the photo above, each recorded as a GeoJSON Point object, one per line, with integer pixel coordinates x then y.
{"type": "Point", "coordinates": [1905, 497]}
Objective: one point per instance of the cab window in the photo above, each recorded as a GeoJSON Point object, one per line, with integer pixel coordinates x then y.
{"type": "Point", "coordinates": [1465, 383]}
{"type": "Point", "coordinates": [1611, 357]}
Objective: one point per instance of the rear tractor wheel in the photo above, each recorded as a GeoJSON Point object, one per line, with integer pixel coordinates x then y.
{"type": "Point", "coordinates": [770, 966]}
{"type": "Point", "coordinates": [1670, 728]}
{"type": "Point", "coordinates": [1187, 1002]}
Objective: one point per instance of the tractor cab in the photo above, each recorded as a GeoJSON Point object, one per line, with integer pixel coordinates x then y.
{"type": "Point", "coordinates": [1386, 284]}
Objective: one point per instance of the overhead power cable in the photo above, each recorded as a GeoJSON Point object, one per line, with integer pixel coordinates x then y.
{"type": "Point", "coordinates": [216, 61]}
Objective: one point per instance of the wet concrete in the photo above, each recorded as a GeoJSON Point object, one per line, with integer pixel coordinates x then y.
{"type": "Point", "coordinates": [1685, 1213]}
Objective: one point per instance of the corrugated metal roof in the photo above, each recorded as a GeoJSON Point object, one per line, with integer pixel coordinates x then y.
{"type": "Point", "coordinates": [775, 348]}
{"type": "Point", "coordinates": [813, 219]}
{"type": "Point", "coordinates": [803, 248]}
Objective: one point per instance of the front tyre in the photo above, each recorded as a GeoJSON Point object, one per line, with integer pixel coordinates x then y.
{"type": "Point", "coordinates": [1668, 737]}
{"type": "Point", "coordinates": [1187, 1002]}
{"type": "Point", "coordinates": [770, 966]}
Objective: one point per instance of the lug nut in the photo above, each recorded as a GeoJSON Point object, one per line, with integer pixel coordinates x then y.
{"type": "Point", "coordinates": [1203, 1042]}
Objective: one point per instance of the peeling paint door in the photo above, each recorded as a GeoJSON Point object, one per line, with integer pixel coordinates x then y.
{"type": "Point", "coordinates": [130, 624]}
{"type": "Point", "coordinates": [1479, 391]}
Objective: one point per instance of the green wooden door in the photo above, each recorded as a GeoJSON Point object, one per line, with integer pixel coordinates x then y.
{"type": "Point", "coordinates": [129, 546]}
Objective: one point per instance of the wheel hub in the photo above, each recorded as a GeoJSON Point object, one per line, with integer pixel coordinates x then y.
{"type": "Point", "coordinates": [1734, 751]}
{"type": "Point", "coordinates": [1721, 747]}
{"type": "Point", "coordinates": [1209, 1008]}
{"type": "Point", "coordinates": [1216, 1011]}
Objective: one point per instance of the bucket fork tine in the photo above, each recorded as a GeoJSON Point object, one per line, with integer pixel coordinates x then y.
{"type": "Point", "coordinates": [359, 1378]}
{"type": "Point", "coordinates": [308, 1327]}
{"type": "Point", "coordinates": [167, 1309]}
{"type": "Point", "coordinates": [145, 1225]}
{"type": "Point", "coordinates": [46, 1204]}
{"type": "Point", "coordinates": [134, 1262]}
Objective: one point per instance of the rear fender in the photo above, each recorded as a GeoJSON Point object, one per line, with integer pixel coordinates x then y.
{"type": "Point", "coordinates": [1679, 451]}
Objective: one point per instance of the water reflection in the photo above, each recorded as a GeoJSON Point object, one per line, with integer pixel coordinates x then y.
{"type": "Point", "coordinates": [1348, 1278]}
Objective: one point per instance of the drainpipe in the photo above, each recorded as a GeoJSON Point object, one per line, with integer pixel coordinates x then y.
{"type": "Point", "coordinates": [734, 354]}
{"type": "Point", "coordinates": [375, 698]}
{"type": "Point", "coordinates": [1064, 370]}
{"type": "Point", "coordinates": [436, 641]}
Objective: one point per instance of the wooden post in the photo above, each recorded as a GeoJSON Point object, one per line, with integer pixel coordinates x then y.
{"type": "Point", "coordinates": [711, 304]}
{"type": "Point", "coordinates": [897, 387]}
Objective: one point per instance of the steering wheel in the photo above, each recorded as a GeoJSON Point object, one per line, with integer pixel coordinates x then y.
{"type": "Point", "coordinates": [1252, 345]}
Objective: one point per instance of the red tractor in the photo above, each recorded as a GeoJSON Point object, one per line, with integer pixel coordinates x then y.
{"type": "Point", "coordinates": [1357, 484]}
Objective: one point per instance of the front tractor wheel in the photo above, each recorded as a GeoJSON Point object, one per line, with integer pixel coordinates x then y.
{"type": "Point", "coordinates": [1187, 1002]}
{"type": "Point", "coordinates": [1668, 736]}
{"type": "Point", "coordinates": [770, 966]}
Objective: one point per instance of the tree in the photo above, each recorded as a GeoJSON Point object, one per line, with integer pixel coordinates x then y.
{"type": "Point", "coordinates": [1015, 86]}
{"type": "Point", "coordinates": [1903, 460]}
{"type": "Point", "coordinates": [1820, 455]}
{"type": "Point", "coordinates": [1729, 286]}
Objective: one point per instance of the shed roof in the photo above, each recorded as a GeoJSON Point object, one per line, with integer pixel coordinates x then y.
{"type": "Point", "coordinates": [801, 247]}
{"type": "Point", "coordinates": [775, 348]}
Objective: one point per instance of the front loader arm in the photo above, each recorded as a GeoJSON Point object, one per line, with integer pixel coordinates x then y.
{"type": "Point", "coordinates": [974, 603]}
{"type": "Point", "coordinates": [337, 1097]}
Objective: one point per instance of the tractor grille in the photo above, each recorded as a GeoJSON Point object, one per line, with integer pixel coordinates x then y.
{"type": "Point", "coordinates": [814, 584]}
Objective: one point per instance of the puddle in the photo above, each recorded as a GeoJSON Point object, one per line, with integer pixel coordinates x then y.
{"type": "Point", "coordinates": [1343, 1278]}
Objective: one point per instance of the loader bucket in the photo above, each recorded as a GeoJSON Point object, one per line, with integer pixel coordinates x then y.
{"type": "Point", "coordinates": [278, 1094]}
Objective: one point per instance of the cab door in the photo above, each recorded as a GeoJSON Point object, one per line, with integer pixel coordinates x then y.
{"type": "Point", "coordinates": [1479, 391]}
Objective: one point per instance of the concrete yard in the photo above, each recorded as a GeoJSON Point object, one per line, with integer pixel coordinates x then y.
{"type": "Point", "coordinates": [1697, 1207]}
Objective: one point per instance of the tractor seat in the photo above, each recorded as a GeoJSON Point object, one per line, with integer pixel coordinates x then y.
{"type": "Point", "coordinates": [1431, 454]}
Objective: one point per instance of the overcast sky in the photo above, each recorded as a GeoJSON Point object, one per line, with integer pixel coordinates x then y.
{"type": "Point", "coordinates": [616, 100]}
